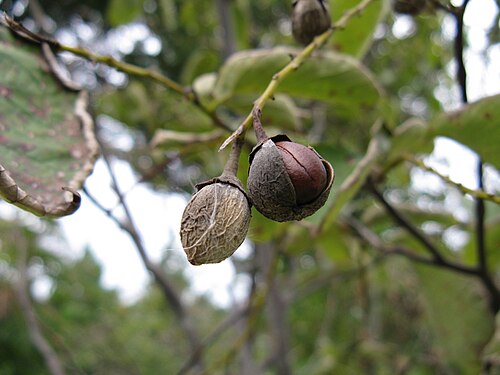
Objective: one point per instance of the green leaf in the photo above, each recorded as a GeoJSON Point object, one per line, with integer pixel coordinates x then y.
{"type": "Point", "coordinates": [120, 12]}
{"type": "Point", "coordinates": [491, 355]}
{"type": "Point", "coordinates": [280, 113]}
{"type": "Point", "coordinates": [48, 145]}
{"type": "Point", "coordinates": [356, 38]}
{"type": "Point", "coordinates": [459, 316]}
{"type": "Point", "coordinates": [354, 181]}
{"type": "Point", "coordinates": [327, 76]}
{"type": "Point", "coordinates": [409, 138]}
{"type": "Point", "coordinates": [475, 125]}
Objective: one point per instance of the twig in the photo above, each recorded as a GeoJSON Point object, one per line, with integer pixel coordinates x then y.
{"type": "Point", "coordinates": [480, 210]}
{"type": "Point", "coordinates": [401, 220]}
{"type": "Point", "coordinates": [480, 194]}
{"type": "Point", "coordinates": [292, 66]}
{"type": "Point", "coordinates": [458, 12]}
{"type": "Point", "coordinates": [124, 67]}
{"type": "Point", "coordinates": [256, 302]}
{"type": "Point", "coordinates": [371, 238]}
{"type": "Point", "coordinates": [52, 361]}
{"type": "Point", "coordinates": [162, 281]}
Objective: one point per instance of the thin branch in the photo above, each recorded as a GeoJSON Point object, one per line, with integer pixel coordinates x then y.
{"type": "Point", "coordinates": [403, 222]}
{"type": "Point", "coordinates": [459, 49]}
{"type": "Point", "coordinates": [372, 239]}
{"type": "Point", "coordinates": [480, 216]}
{"type": "Point", "coordinates": [130, 69]}
{"type": "Point", "coordinates": [292, 66]}
{"type": "Point", "coordinates": [162, 281]}
{"type": "Point", "coordinates": [256, 302]}
{"type": "Point", "coordinates": [52, 361]}
{"type": "Point", "coordinates": [480, 194]}
{"type": "Point", "coordinates": [276, 313]}
{"type": "Point", "coordinates": [480, 210]}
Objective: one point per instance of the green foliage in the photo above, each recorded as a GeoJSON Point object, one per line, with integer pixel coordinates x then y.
{"type": "Point", "coordinates": [328, 296]}
{"type": "Point", "coordinates": [473, 126]}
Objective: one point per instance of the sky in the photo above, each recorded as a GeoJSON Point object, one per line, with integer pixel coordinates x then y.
{"type": "Point", "coordinates": [158, 215]}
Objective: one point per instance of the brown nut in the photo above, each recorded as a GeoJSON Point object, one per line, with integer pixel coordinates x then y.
{"type": "Point", "coordinates": [288, 181]}
{"type": "Point", "coordinates": [309, 19]}
{"type": "Point", "coordinates": [215, 221]}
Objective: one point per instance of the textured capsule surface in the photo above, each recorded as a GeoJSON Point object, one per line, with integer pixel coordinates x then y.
{"type": "Point", "coordinates": [214, 223]}
{"type": "Point", "coordinates": [270, 185]}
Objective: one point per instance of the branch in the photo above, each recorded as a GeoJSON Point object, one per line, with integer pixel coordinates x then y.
{"type": "Point", "coordinates": [483, 272]}
{"type": "Point", "coordinates": [52, 361]}
{"type": "Point", "coordinates": [160, 278]}
{"type": "Point", "coordinates": [480, 194]}
{"type": "Point", "coordinates": [121, 66]}
{"type": "Point", "coordinates": [372, 239]}
{"type": "Point", "coordinates": [292, 66]}
{"type": "Point", "coordinates": [403, 222]}
{"type": "Point", "coordinates": [277, 322]}
{"type": "Point", "coordinates": [459, 49]}
{"type": "Point", "coordinates": [256, 302]}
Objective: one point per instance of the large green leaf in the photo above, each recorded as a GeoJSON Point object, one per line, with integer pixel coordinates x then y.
{"type": "Point", "coordinates": [476, 125]}
{"type": "Point", "coordinates": [123, 11]}
{"type": "Point", "coordinates": [326, 76]}
{"type": "Point", "coordinates": [459, 316]}
{"type": "Point", "coordinates": [349, 186]}
{"type": "Point", "coordinates": [356, 38]}
{"type": "Point", "coordinates": [46, 135]}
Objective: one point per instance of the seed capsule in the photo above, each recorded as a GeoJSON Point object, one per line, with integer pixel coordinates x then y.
{"type": "Point", "coordinates": [216, 220]}
{"type": "Point", "coordinates": [309, 19]}
{"type": "Point", "coordinates": [288, 181]}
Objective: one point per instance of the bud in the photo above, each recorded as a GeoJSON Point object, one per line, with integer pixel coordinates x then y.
{"type": "Point", "coordinates": [288, 181]}
{"type": "Point", "coordinates": [216, 220]}
{"type": "Point", "coordinates": [309, 19]}
{"type": "Point", "coordinates": [411, 7]}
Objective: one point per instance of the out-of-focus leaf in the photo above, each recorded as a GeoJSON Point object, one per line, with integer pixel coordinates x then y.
{"type": "Point", "coordinates": [241, 22]}
{"type": "Point", "coordinates": [354, 181]}
{"type": "Point", "coordinates": [120, 12]}
{"type": "Point", "coordinates": [491, 354]}
{"type": "Point", "coordinates": [475, 125]}
{"type": "Point", "coordinates": [459, 316]}
{"type": "Point", "coordinates": [356, 38]}
{"type": "Point", "coordinates": [46, 133]}
{"type": "Point", "coordinates": [169, 14]}
{"type": "Point", "coordinates": [280, 113]}
{"type": "Point", "coordinates": [409, 138]}
{"type": "Point", "coordinates": [337, 79]}
{"type": "Point", "coordinates": [200, 62]}
{"type": "Point", "coordinates": [150, 107]}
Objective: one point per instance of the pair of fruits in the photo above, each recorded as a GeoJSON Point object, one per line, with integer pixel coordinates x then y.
{"type": "Point", "coordinates": [286, 181]}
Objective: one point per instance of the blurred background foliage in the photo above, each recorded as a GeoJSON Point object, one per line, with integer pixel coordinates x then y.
{"type": "Point", "coordinates": [319, 301]}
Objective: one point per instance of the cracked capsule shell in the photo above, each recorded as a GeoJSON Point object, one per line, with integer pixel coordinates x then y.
{"type": "Point", "coordinates": [288, 181]}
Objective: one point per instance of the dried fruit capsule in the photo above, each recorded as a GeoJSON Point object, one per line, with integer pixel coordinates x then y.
{"type": "Point", "coordinates": [309, 19]}
{"type": "Point", "coordinates": [216, 220]}
{"type": "Point", "coordinates": [288, 181]}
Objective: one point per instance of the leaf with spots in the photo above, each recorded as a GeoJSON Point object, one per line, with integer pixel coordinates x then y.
{"type": "Point", "coordinates": [47, 142]}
